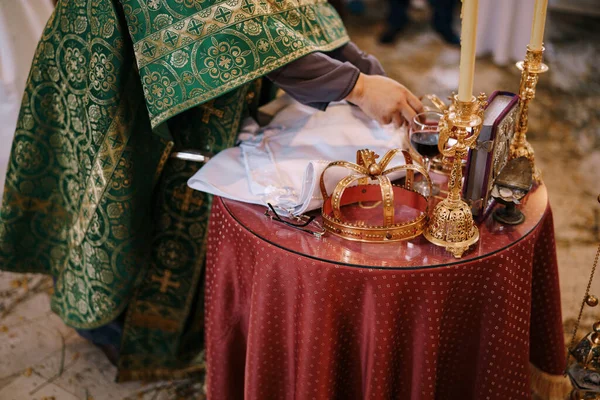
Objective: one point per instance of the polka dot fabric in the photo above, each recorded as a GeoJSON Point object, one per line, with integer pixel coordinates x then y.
{"type": "Point", "coordinates": [283, 326]}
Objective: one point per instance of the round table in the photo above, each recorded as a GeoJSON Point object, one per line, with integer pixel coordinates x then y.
{"type": "Point", "coordinates": [290, 316]}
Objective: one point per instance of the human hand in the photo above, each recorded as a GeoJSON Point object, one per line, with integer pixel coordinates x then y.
{"type": "Point", "coordinates": [384, 100]}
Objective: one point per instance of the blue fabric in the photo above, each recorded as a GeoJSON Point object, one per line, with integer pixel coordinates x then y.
{"type": "Point", "coordinates": [106, 335]}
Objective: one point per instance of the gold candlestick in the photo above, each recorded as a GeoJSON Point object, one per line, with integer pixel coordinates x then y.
{"type": "Point", "coordinates": [531, 68]}
{"type": "Point", "coordinates": [451, 224]}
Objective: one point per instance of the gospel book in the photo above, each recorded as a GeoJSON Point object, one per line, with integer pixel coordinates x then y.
{"type": "Point", "coordinates": [491, 153]}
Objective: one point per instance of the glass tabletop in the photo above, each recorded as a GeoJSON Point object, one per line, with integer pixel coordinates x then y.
{"type": "Point", "coordinates": [415, 253]}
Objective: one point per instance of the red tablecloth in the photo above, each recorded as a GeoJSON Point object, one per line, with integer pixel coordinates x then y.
{"type": "Point", "coordinates": [284, 326]}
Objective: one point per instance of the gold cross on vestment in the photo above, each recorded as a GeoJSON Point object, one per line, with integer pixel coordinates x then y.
{"type": "Point", "coordinates": [187, 197]}
{"type": "Point", "coordinates": [209, 110]}
{"type": "Point", "coordinates": [165, 281]}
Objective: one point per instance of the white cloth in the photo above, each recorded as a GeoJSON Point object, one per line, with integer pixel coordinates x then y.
{"type": "Point", "coordinates": [282, 163]}
{"type": "Point", "coordinates": [504, 29]}
{"type": "Point", "coordinates": [21, 25]}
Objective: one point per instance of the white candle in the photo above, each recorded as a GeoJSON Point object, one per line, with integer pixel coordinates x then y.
{"type": "Point", "coordinates": [539, 23]}
{"type": "Point", "coordinates": [468, 39]}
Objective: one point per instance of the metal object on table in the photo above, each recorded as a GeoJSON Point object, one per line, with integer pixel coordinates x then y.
{"type": "Point", "coordinates": [451, 225]}
{"type": "Point", "coordinates": [438, 104]}
{"type": "Point", "coordinates": [511, 185]}
{"type": "Point", "coordinates": [365, 170]}
{"type": "Point", "coordinates": [531, 68]}
{"type": "Point", "coordinates": [191, 155]}
{"type": "Point", "coordinates": [303, 223]}
{"type": "Point", "coordinates": [439, 163]}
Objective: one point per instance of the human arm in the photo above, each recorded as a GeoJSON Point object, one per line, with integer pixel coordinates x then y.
{"type": "Point", "coordinates": [347, 73]}
{"type": "Point", "coordinates": [384, 99]}
{"type": "Point", "coordinates": [366, 63]}
{"type": "Point", "coordinates": [316, 79]}
{"type": "Point", "coordinates": [398, 105]}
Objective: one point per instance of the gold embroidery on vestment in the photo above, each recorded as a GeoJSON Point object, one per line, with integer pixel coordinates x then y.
{"type": "Point", "coordinates": [165, 281]}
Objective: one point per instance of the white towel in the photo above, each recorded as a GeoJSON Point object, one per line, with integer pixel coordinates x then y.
{"type": "Point", "coordinates": [282, 163]}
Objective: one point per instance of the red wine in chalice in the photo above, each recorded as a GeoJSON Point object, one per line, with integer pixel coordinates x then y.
{"type": "Point", "coordinates": [426, 143]}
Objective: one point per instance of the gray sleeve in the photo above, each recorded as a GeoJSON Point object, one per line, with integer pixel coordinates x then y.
{"type": "Point", "coordinates": [366, 63]}
{"type": "Point", "coordinates": [316, 79]}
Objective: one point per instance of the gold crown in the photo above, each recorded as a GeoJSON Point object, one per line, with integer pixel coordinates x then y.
{"type": "Point", "coordinates": [366, 170]}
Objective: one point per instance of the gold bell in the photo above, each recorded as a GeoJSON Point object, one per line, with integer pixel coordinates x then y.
{"type": "Point", "coordinates": [451, 224]}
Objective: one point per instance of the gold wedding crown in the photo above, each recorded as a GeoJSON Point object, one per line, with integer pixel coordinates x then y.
{"type": "Point", "coordinates": [365, 171]}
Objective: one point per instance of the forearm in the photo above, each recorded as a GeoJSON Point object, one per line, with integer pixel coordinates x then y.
{"type": "Point", "coordinates": [355, 96]}
{"type": "Point", "coordinates": [320, 78]}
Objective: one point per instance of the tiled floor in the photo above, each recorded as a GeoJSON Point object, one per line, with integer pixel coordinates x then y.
{"type": "Point", "coordinates": [41, 358]}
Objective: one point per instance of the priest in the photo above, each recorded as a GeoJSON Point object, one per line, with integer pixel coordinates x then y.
{"type": "Point", "coordinates": [95, 195]}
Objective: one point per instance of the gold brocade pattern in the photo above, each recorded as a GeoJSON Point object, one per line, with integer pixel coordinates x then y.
{"type": "Point", "coordinates": [165, 319]}
{"type": "Point", "coordinates": [203, 51]}
{"type": "Point", "coordinates": [91, 196]}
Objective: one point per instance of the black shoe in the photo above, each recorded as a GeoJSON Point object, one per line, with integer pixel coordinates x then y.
{"type": "Point", "coordinates": [390, 34]}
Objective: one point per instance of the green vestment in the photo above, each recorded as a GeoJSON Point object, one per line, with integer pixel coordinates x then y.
{"type": "Point", "coordinates": [92, 197]}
